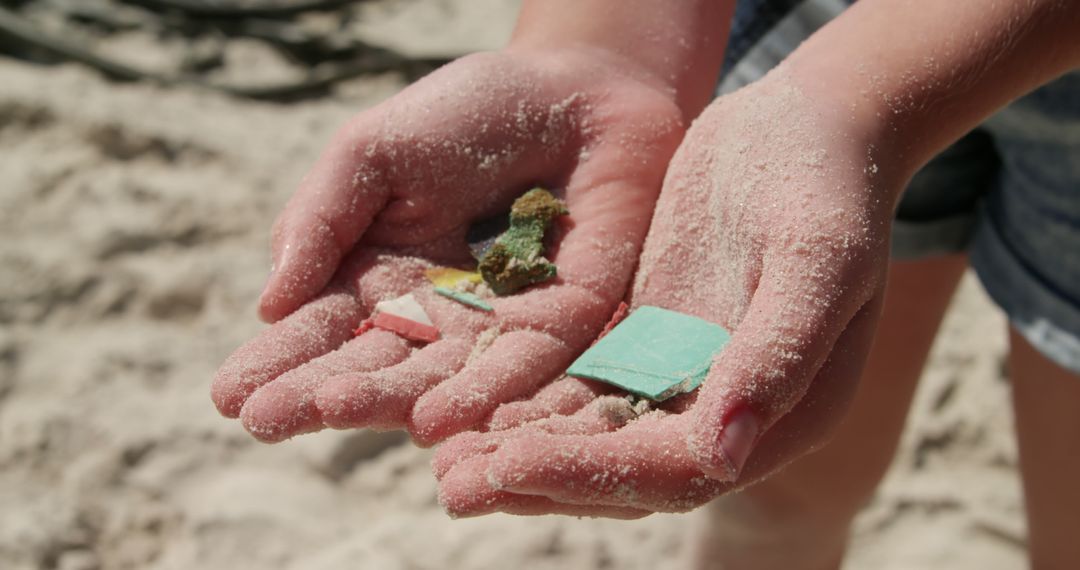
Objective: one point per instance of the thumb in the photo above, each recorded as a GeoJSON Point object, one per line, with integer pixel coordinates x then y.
{"type": "Point", "coordinates": [333, 207]}
{"type": "Point", "coordinates": [793, 322]}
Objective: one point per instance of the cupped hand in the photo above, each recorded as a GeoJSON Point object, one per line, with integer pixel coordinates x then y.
{"type": "Point", "coordinates": [773, 222]}
{"type": "Point", "coordinates": [395, 192]}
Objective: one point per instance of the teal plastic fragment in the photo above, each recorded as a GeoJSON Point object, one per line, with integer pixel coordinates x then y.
{"type": "Point", "coordinates": [654, 353]}
{"type": "Point", "coordinates": [465, 298]}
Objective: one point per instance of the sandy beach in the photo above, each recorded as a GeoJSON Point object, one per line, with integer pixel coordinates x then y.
{"type": "Point", "coordinates": [134, 224]}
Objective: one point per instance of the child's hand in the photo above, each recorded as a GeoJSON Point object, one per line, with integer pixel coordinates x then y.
{"type": "Point", "coordinates": [773, 222]}
{"type": "Point", "coordinates": [395, 192]}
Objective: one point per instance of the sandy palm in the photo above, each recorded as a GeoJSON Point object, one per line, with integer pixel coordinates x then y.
{"type": "Point", "coordinates": [769, 224]}
{"type": "Point", "coordinates": [395, 192]}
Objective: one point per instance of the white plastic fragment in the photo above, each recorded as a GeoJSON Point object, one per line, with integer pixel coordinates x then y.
{"type": "Point", "coordinates": [405, 307]}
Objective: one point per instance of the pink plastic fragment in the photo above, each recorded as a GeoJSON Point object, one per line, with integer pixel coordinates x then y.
{"type": "Point", "coordinates": [616, 318]}
{"type": "Point", "coordinates": [402, 316]}
{"type": "Point", "coordinates": [409, 329]}
{"type": "Point", "coordinates": [405, 307]}
{"type": "Point", "coordinates": [365, 326]}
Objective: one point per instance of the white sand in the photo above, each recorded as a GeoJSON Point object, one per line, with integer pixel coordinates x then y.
{"type": "Point", "coordinates": [133, 232]}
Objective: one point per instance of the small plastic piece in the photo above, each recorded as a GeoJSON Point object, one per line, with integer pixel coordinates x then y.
{"type": "Point", "coordinates": [365, 326]}
{"type": "Point", "coordinates": [405, 307]}
{"type": "Point", "coordinates": [451, 278]}
{"type": "Point", "coordinates": [516, 259]}
{"type": "Point", "coordinates": [402, 316]}
{"type": "Point", "coordinates": [465, 298]}
{"type": "Point", "coordinates": [407, 328]}
{"type": "Point", "coordinates": [616, 318]}
{"type": "Point", "coordinates": [654, 353]}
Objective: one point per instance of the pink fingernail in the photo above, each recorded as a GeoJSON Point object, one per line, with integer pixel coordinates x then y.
{"type": "Point", "coordinates": [270, 276]}
{"type": "Point", "coordinates": [263, 300]}
{"type": "Point", "coordinates": [737, 439]}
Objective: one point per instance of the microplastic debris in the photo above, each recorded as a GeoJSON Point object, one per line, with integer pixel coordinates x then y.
{"type": "Point", "coordinates": [516, 259]}
{"type": "Point", "coordinates": [465, 298]}
{"type": "Point", "coordinates": [402, 316]}
{"type": "Point", "coordinates": [407, 328]}
{"type": "Point", "coordinates": [654, 353]}
{"type": "Point", "coordinates": [405, 307]}
{"type": "Point", "coordinates": [451, 278]}
{"type": "Point", "coordinates": [365, 326]}
{"type": "Point", "coordinates": [616, 318]}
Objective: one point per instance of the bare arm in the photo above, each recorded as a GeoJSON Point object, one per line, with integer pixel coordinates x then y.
{"type": "Point", "coordinates": [679, 44]}
{"type": "Point", "coordinates": [921, 73]}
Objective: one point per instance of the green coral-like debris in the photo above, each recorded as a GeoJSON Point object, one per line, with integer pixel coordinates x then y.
{"type": "Point", "coordinates": [516, 260]}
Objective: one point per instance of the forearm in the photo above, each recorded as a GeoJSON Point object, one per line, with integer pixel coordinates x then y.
{"type": "Point", "coordinates": [925, 72]}
{"type": "Point", "coordinates": [678, 44]}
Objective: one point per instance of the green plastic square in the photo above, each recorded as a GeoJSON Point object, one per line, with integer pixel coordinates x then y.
{"type": "Point", "coordinates": [654, 353]}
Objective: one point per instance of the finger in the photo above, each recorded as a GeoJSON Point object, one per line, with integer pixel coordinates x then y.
{"type": "Point", "coordinates": [592, 419]}
{"type": "Point", "coordinates": [645, 466]}
{"type": "Point", "coordinates": [791, 326]}
{"type": "Point", "coordinates": [562, 397]}
{"type": "Point", "coordinates": [515, 364]}
{"type": "Point", "coordinates": [463, 447]}
{"type": "Point", "coordinates": [334, 205]}
{"type": "Point", "coordinates": [383, 398]}
{"type": "Point", "coordinates": [649, 466]}
{"type": "Point", "coordinates": [286, 407]}
{"type": "Point", "coordinates": [314, 330]}
{"type": "Point", "coordinates": [465, 492]}
{"type": "Point", "coordinates": [810, 425]}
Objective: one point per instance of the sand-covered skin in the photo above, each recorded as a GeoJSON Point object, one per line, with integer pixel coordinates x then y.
{"type": "Point", "coordinates": [770, 225]}
{"type": "Point", "coordinates": [134, 226]}
{"type": "Point", "coordinates": [408, 177]}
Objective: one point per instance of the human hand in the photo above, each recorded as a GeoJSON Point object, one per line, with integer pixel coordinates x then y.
{"type": "Point", "coordinates": [395, 192]}
{"type": "Point", "coordinates": [773, 222]}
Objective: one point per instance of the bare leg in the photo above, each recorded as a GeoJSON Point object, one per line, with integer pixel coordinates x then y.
{"type": "Point", "coordinates": [799, 519]}
{"type": "Point", "coordinates": [1046, 401]}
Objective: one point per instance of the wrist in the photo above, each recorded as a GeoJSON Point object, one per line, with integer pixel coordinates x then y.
{"type": "Point", "coordinates": [911, 81]}
{"type": "Point", "coordinates": [854, 123]}
{"type": "Point", "coordinates": [677, 47]}
{"type": "Point", "coordinates": [858, 109]}
{"type": "Point", "coordinates": [598, 61]}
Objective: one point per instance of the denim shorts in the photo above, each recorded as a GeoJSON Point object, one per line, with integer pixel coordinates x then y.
{"type": "Point", "coordinates": [1008, 193]}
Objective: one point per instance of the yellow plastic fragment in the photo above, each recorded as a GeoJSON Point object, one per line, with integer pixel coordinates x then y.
{"type": "Point", "coordinates": [449, 277]}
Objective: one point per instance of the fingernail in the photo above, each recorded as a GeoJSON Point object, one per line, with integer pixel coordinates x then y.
{"type": "Point", "coordinates": [269, 277]}
{"type": "Point", "coordinates": [265, 302]}
{"type": "Point", "coordinates": [737, 439]}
